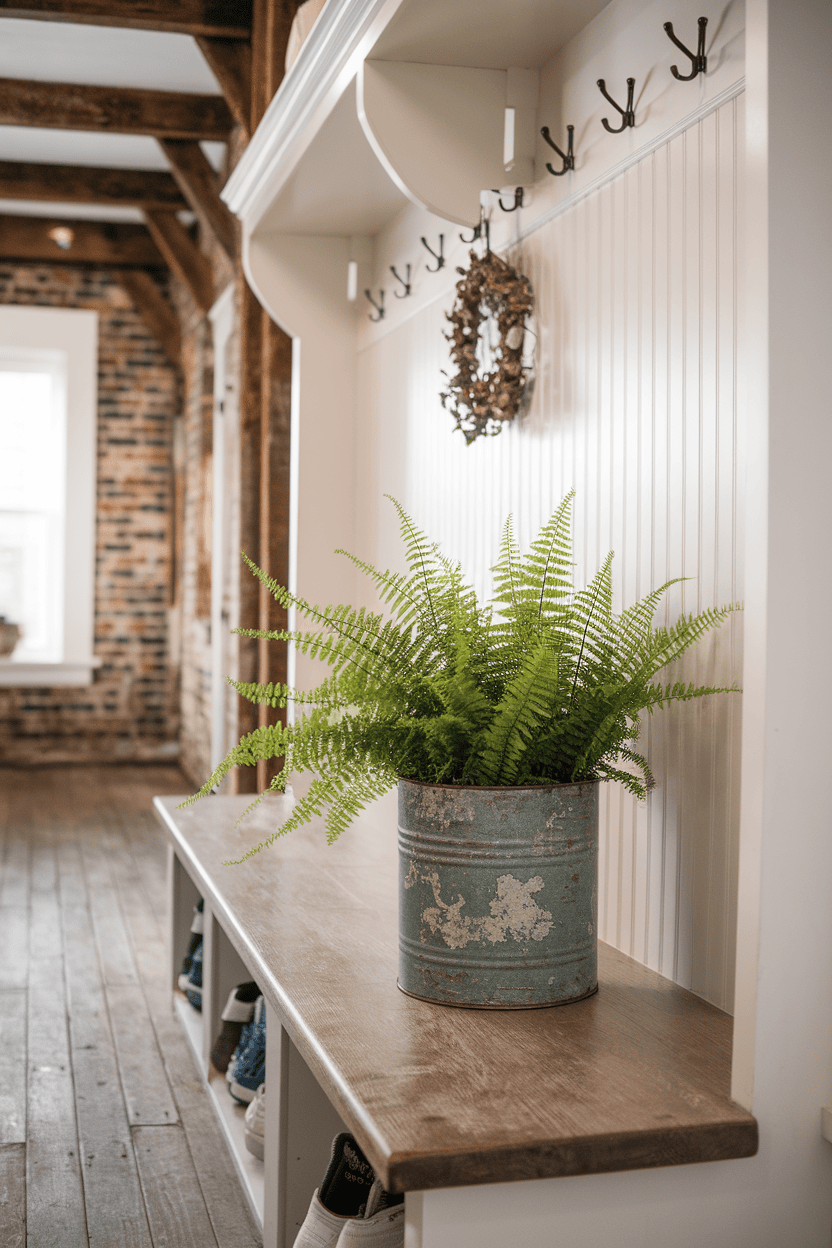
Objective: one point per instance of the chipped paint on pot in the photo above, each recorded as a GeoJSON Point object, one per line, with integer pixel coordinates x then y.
{"type": "Point", "coordinates": [498, 894]}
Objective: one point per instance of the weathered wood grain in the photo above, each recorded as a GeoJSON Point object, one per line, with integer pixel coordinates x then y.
{"type": "Point", "coordinates": [14, 942]}
{"type": "Point", "coordinates": [147, 1093]}
{"type": "Point", "coordinates": [55, 1197]}
{"type": "Point", "coordinates": [273, 547]}
{"type": "Point", "coordinates": [230, 61]}
{"type": "Point", "coordinates": [175, 1207]}
{"type": "Point", "coordinates": [104, 1134]}
{"type": "Point", "coordinates": [183, 256]}
{"type": "Point", "coordinates": [637, 1076]}
{"type": "Point", "coordinates": [77, 840]}
{"type": "Point", "coordinates": [87, 184]}
{"type": "Point", "coordinates": [14, 877]}
{"type": "Point", "coordinates": [271, 22]}
{"type": "Point", "coordinates": [227, 19]}
{"type": "Point", "coordinates": [244, 779]}
{"type": "Point", "coordinates": [92, 242]}
{"type": "Point", "coordinates": [13, 1196]}
{"type": "Point", "coordinates": [12, 1065]}
{"type": "Point", "coordinates": [227, 1207]}
{"type": "Point", "coordinates": [114, 110]}
{"type": "Point", "coordinates": [198, 183]}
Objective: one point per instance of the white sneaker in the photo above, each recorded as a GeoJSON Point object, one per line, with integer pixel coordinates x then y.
{"type": "Point", "coordinates": [256, 1122]}
{"type": "Point", "coordinates": [321, 1229]}
{"type": "Point", "coordinates": [381, 1226]}
{"type": "Point", "coordinates": [343, 1195]}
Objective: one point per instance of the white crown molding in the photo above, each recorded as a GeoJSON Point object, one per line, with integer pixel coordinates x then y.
{"type": "Point", "coordinates": [328, 60]}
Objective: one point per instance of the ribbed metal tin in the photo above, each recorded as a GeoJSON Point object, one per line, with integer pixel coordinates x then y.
{"type": "Point", "coordinates": [498, 894]}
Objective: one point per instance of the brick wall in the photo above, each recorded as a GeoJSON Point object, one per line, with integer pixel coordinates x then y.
{"type": "Point", "coordinates": [131, 711]}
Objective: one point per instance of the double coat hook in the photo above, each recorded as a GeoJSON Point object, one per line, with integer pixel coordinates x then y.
{"type": "Point", "coordinates": [379, 307]}
{"type": "Point", "coordinates": [518, 199]}
{"type": "Point", "coordinates": [404, 281]}
{"type": "Point", "coordinates": [568, 157]}
{"type": "Point", "coordinates": [438, 257]}
{"type": "Point", "coordinates": [698, 59]}
{"type": "Point", "coordinates": [480, 231]}
{"type": "Point", "coordinates": [628, 115]}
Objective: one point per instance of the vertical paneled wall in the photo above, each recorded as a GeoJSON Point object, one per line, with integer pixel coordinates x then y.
{"type": "Point", "coordinates": [635, 406]}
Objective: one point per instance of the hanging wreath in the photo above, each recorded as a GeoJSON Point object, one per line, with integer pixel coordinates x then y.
{"type": "Point", "coordinates": [491, 377]}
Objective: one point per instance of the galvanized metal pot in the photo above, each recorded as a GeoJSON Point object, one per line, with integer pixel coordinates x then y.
{"type": "Point", "coordinates": [498, 894]}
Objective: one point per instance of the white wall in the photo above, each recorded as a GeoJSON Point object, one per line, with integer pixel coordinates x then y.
{"type": "Point", "coordinates": [635, 406]}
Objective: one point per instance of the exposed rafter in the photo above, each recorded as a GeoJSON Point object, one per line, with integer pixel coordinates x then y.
{"type": "Point", "coordinates": [117, 110]}
{"type": "Point", "coordinates": [87, 184]}
{"type": "Point", "coordinates": [230, 62]}
{"type": "Point", "coordinates": [183, 256]}
{"type": "Point", "coordinates": [76, 242]}
{"type": "Point", "coordinates": [156, 312]}
{"type": "Point", "coordinates": [224, 19]}
{"type": "Point", "coordinates": [198, 183]}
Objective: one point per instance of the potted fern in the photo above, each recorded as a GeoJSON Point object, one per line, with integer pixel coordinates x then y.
{"type": "Point", "coordinates": [498, 722]}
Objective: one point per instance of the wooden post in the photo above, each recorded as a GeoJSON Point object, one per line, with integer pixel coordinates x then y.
{"type": "Point", "coordinates": [275, 431]}
{"type": "Point", "coordinates": [244, 779]}
{"type": "Point", "coordinates": [271, 21]}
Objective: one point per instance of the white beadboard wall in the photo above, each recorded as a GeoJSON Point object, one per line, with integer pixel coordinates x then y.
{"type": "Point", "coordinates": [635, 405]}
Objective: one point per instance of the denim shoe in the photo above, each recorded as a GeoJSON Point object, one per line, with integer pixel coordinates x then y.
{"type": "Point", "coordinates": [190, 977]}
{"type": "Point", "coordinates": [247, 1068]}
{"type": "Point", "coordinates": [381, 1225]}
{"type": "Point", "coordinates": [239, 1010]}
{"type": "Point", "coordinates": [256, 1122]}
{"type": "Point", "coordinates": [344, 1192]}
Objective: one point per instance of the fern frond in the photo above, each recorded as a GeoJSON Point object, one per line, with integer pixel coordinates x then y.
{"type": "Point", "coordinates": [525, 705]}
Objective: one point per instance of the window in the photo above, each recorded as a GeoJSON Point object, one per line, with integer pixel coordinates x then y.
{"type": "Point", "coordinates": [47, 492]}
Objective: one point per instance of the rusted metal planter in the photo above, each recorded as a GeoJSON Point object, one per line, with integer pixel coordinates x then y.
{"type": "Point", "coordinates": [498, 894]}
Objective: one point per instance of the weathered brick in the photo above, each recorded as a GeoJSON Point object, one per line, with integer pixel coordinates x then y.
{"type": "Point", "coordinates": [138, 400]}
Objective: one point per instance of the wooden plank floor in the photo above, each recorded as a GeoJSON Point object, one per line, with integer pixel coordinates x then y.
{"type": "Point", "coordinates": [107, 1137]}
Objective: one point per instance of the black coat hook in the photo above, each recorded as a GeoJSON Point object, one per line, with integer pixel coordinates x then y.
{"type": "Point", "coordinates": [568, 157]}
{"type": "Point", "coordinates": [405, 283]}
{"type": "Point", "coordinates": [698, 59]}
{"type": "Point", "coordinates": [518, 199]}
{"type": "Point", "coordinates": [477, 232]}
{"type": "Point", "coordinates": [379, 307]}
{"type": "Point", "coordinates": [439, 258]}
{"type": "Point", "coordinates": [627, 113]}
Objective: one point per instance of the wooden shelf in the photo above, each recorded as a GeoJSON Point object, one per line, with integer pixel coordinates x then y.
{"type": "Point", "coordinates": [635, 1077]}
{"type": "Point", "coordinates": [230, 1114]}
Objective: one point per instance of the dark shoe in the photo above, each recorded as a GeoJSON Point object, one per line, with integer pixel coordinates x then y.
{"type": "Point", "coordinates": [239, 1010]}
{"type": "Point", "coordinates": [190, 978]}
{"type": "Point", "coordinates": [247, 1068]}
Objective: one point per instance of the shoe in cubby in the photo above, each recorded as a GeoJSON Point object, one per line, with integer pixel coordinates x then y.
{"type": "Point", "coordinates": [239, 1011]}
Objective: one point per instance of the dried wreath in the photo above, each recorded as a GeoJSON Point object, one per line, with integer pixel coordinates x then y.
{"type": "Point", "coordinates": [490, 292]}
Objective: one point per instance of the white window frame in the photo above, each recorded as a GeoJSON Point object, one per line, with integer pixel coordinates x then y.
{"type": "Point", "coordinates": [74, 333]}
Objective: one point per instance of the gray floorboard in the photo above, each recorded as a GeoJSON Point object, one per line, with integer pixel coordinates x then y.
{"type": "Point", "coordinates": [108, 1136]}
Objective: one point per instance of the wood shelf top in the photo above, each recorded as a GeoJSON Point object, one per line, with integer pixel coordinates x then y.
{"type": "Point", "coordinates": [635, 1077]}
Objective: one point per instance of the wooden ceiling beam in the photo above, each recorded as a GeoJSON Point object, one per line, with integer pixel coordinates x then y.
{"type": "Point", "coordinates": [198, 183]}
{"type": "Point", "coordinates": [183, 256]}
{"type": "Point", "coordinates": [88, 184]}
{"type": "Point", "coordinates": [115, 110]}
{"type": "Point", "coordinates": [84, 242]}
{"type": "Point", "coordinates": [230, 63]}
{"type": "Point", "coordinates": [156, 312]}
{"type": "Point", "coordinates": [222, 19]}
